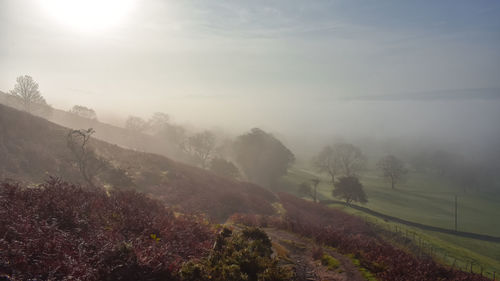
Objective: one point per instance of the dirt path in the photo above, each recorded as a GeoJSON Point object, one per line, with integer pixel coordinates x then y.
{"type": "Point", "coordinates": [296, 252]}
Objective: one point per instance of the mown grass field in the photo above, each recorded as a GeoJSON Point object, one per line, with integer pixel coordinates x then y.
{"type": "Point", "coordinates": [427, 200]}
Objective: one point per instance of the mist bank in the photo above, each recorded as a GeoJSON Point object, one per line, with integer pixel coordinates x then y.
{"type": "Point", "coordinates": [468, 125]}
{"type": "Point", "coordinates": [419, 131]}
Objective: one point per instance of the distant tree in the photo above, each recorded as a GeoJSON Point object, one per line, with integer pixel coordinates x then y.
{"type": "Point", "coordinates": [89, 163]}
{"type": "Point", "coordinates": [224, 168]}
{"type": "Point", "coordinates": [393, 169]}
{"type": "Point", "coordinates": [136, 124]}
{"type": "Point", "coordinates": [26, 89]}
{"type": "Point", "coordinates": [262, 157]}
{"type": "Point", "coordinates": [84, 112]}
{"type": "Point", "coordinates": [159, 121]}
{"type": "Point", "coordinates": [201, 146]}
{"type": "Point", "coordinates": [340, 159]}
{"type": "Point", "coordinates": [349, 158]}
{"type": "Point", "coordinates": [326, 162]}
{"type": "Point", "coordinates": [350, 189]}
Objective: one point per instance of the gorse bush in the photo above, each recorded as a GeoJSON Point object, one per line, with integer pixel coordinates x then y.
{"type": "Point", "coordinates": [59, 231]}
{"type": "Point", "coordinates": [235, 257]}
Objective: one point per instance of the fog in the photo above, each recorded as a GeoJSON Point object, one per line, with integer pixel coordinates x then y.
{"type": "Point", "coordinates": [414, 75]}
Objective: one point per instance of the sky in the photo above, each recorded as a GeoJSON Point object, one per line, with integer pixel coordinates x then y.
{"type": "Point", "coordinates": [343, 66]}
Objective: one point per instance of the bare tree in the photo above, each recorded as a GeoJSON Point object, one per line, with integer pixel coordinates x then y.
{"type": "Point", "coordinates": [340, 159]}
{"type": "Point", "coordinates": [325, 162]}
{"type": "Point", "coordinates": [26, 89]}
{"type": "Point", "coordinates": [201, 146]}
{"type": "Point", "coordinates": [349, 158]}
{"type": "Point", "coordinates": [393, 169]}
{"type": "Point", "coordinates": [89, 164]}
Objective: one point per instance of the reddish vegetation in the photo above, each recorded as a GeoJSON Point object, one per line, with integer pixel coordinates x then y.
{"type": "Point", "coordinates": [351, 235]}
{"type": "Point", "coordinates": [219, 203]}
{"type": "Point", "coordinates": [61, 231]}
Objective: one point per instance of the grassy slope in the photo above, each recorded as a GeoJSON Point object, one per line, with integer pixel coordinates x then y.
{"type": "Point", "coordinates": [422, 199]}
{"type": "Point", "coordinates": [430, 201]}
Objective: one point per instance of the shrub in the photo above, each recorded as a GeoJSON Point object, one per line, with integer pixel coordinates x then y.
{"type": "Point", "coordinates": [237, 256]}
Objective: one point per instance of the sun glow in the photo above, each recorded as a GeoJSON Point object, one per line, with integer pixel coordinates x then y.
{"type": "Point", "coordinates": [88, 15]}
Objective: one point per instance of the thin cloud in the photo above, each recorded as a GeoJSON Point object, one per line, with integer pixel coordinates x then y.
{"type": "Point", "coordinates": [454, 94]}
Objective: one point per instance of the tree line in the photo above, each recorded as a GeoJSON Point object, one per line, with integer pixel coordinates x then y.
{"type": "Point", "coordinates": [260, 157]}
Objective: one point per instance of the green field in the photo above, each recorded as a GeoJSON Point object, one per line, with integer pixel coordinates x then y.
{"type": "Point", "coordinates": [427, 200]}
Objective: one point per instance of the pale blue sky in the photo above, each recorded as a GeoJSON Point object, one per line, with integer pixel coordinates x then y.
{"type": "Point", "coordinates": [280, 64]}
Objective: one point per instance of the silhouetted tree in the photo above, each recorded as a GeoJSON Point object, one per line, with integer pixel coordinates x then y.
{"type": "Point", "coordinates": [349, 189]}
{"type": "Point", "coordinates": [89, 163]}
{"type": "Point", "coordinates": [224, 168]}
{"type": "Point", "coordinates": [201, 146]}
{"type": "Point", "coordinates": [262, 157]}
{"type": "Point", "coordinates": [393, 169]}
{"type": "Point", "coordinates": [26, 89]}
{"type": "Point", "coordinates": [84, 112]}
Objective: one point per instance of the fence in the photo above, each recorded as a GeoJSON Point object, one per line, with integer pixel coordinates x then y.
{"type": "Point", "coordinates": [421, 247]}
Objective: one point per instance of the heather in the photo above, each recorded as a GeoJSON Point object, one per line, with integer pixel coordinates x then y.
{"type": "Point", "coordinates": [60, 231]}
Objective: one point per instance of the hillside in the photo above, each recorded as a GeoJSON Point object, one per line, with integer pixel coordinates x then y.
{"type": "Point", "coordinates": [105, 132]}
{"type": "Point", "coordinates": [32, 148]}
